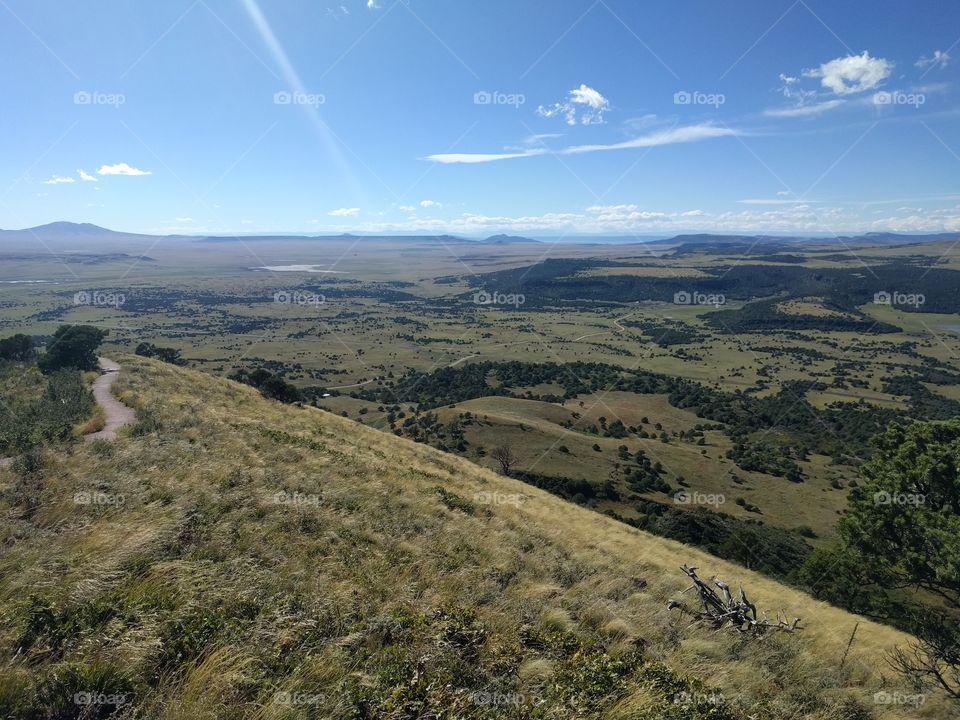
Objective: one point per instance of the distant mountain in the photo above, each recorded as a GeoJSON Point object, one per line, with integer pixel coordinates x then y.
{"type": "Point", "coordinates": [252, 238]}
{"type": "Point", "coordinates": [507, 240]}
{"type": "Point", "coordinates": [709, 239]}
{"type": "Point", "coordinates": [767, 243]}
{"type": "Point", "coordinates": [69, 228]}
{"type": "Point", "coordinates": [440, 239]}
{"type": "Point", "coordinates": [888, 238]}
{"type": "Point", "coordinates": [62, 230]}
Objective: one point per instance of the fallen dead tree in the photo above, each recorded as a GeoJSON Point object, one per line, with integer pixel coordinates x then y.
{"type": "Point", "coordinates": [721, 610]}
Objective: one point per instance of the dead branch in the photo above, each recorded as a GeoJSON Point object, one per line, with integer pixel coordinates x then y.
{"type": "Point", "coordinates": [720, 610]}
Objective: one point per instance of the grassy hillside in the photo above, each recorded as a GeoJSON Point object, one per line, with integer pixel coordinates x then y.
{"type": "Point", "coordinates": [242, 558]}
{"type": "Point", "coordinates": [534, 429]}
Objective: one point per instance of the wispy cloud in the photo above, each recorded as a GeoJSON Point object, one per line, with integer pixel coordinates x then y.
{"type": "Point", "coordinates": [122, 169]}
{"type": "Point", "coordinates": [471, 158]}
{"type": "Point", "coordinates": [86, 177]}
{"type": "Point", "coordinates": [58, 180]}
{"type": "Point", "coordinates": [672, 136]}
{"type": "Point", "coordinates": [804, 110]}
{"type": "Point", "coordinates": [344, 212]}
{"type": "Point", "coordinates": [939, 59]}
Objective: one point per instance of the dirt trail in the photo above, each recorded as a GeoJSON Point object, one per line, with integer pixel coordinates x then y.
{"type": "Point", "coordinates": [116, 414]}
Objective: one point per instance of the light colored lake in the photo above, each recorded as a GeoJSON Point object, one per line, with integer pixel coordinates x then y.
{"type": "Point", "coordinates": [297, 268]}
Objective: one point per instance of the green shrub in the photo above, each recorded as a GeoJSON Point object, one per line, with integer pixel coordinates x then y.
{"type": "Point", "coordinates": [454, 501]}
{"type": "Point", "coordinates": [148, 421]}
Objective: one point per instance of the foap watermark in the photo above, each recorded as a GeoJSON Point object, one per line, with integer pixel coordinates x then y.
{"type": "Point", "coordinates": [94, 697]}
{"type": "Point", "coordinates": [95, 497]}
{"type": "Point", "coordinates": [285, 697]}
{"type": "Point", "coordinates": [298, 97]}
{"type": "Point", "coordinates": [482, 297]}
{"type": "Point", "coordinates": [898, 498]}
{"type": "Point", "coordinates": [684, 97]}
{"type": "Point", "coordinates": [897, 97]}
{"type": "Point", "coordinates": [899, 298]}
{"type": "Point", "coordinates": [497, 699]}
{"type": "Point", "coordinates": [698, 298]}
{"type": "Point", "coordinates": [898, 698]}
{"type": "Point", "coordinates": [485, 97]}
{"type": "Point", "coordinates": [95, 97]}
{"type": "Point", "coordinates": [99, 298]}
{"type": "Point", "coordinates": [686, 497]}
{"type": "Point", "coordinates": [485, 497]}
{"type": "Point", "coordinates": [298, 297]}
{"type": "Point", "coordinates": [685, 698]}
{"type": "Point", "coordinates": [295, 498]}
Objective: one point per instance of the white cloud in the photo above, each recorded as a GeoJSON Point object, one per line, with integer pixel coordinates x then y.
{"type": "Point", "coordinates": [804, 110]}
{"type": "Point", "coordinates": [583, 104]}
{"type": "Point", "coordinates": [471, 158]}
{"type": "Point", "coordinates": [344, 212]}
{"type": "Point", "coordinates": [783, 193]}
{"type": "Point", "coordinates": [852, 74]}
{"type": "Point", "coordinates": [689, 133]}
{"type": "Point", "coordinates": [430, 204]}
{"type": "Point", "coordinates": [584, 95]}
{"type": "Point", "coordinates": [121, 169]}
{"type": "Point", "coordinates": [58, 180]}
{"type": "Point", "coordinates": [86, 177]}
{"type": "Point", "coordinates": [184, 219]}
{"type": "Point", "coordinates": [939, 58]}
{"type": "Point", "coordinates": [798, 218]}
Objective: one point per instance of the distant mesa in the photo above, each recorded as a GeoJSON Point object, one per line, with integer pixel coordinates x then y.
{"type": "Point", "coordinates": [710, 239]}
{"type": "Point", "coordinates": [507, 240]}
{"type": "Point", "coordinates": [755, 244]}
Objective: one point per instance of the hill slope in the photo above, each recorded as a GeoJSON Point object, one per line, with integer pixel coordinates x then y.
{"type": "Point", "coordinates": [237, 557]}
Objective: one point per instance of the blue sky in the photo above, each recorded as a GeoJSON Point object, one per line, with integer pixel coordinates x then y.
{"type": "Point", "coordinates": [537, 116]}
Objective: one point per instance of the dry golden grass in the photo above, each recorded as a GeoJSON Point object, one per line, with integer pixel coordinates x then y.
{"type": "Point", "coordinates": [357, 587]}
{"type": "Point", "coordinates": [96, 423]}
